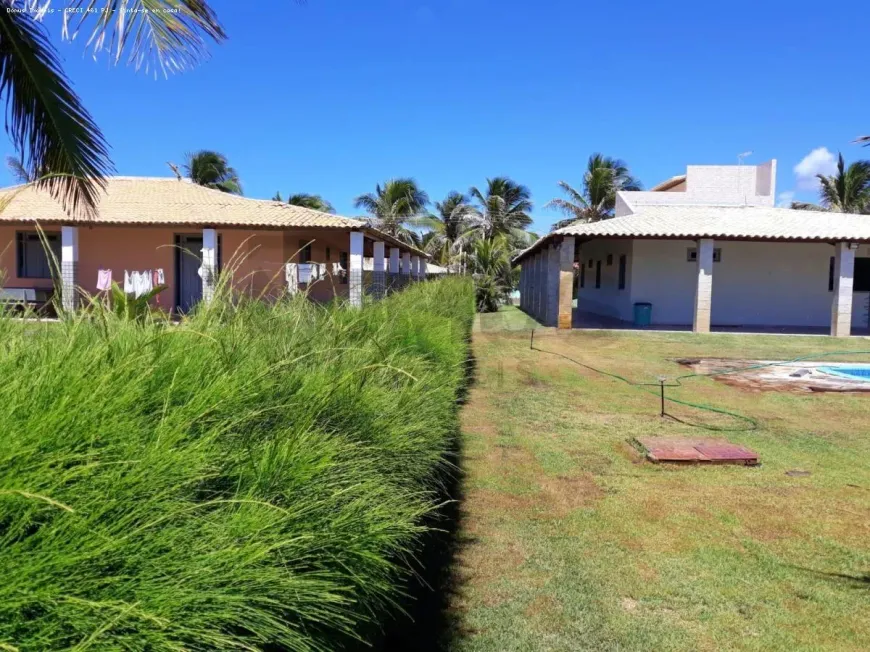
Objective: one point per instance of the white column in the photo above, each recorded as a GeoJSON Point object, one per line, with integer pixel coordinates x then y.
{"type": "Point", "coordinates": [536, 285]}
{"type": "Point", "coordinates": [423, 268]}
{"type": "Point", "coordinates": [415, 267]}
{"type": "Point", "coordinates": [523, 286]}
{"type": "Point", "coordinates": [844, 276]}
{"type": "Point", "coordinates": [378, 276]}
{"type": "Point", "coordinates": [394, 260]}
{"type": "Point", "coordinates": [355, 273]}
{"type": "Point", "coordinates": [406, 263]}
{"type": "Point", "coordinates": [208, 271]}
{"type": "Point", "coordinates": [542, 286]}
{"type": "Point", "coordinates": [552, 293]}
{"type": "Point", "coordinates": [69, 267]}
{"type": "Point", "coordinates": [566, 282]}
{"type": "Point", "coordinates": [703, 287]}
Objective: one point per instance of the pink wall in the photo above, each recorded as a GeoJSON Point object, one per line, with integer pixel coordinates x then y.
{"type": "Point", "coordinates": [256, 258]}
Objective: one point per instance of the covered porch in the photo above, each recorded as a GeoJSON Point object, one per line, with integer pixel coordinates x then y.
{"type": "Point", "coordinates": [807, 278]}
{"type": "Point", "coordinates": [187, 238]}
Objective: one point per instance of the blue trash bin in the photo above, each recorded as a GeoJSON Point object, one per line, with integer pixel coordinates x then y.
{"type": "Point", "coordinates": [642, 314]}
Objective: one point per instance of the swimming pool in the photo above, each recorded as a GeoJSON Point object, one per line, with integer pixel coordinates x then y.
{"type": "Point", "coordinates": [846, 371]}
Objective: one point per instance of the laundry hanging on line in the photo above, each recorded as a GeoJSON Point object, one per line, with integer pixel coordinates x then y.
{"type": "Point", "coordinates": [141, 283]}
{"type": "Point", "coordinates": [104, 279]}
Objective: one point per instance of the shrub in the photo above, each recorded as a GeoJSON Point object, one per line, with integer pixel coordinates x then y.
{"type": "Point", "coordinates": [251, 479]}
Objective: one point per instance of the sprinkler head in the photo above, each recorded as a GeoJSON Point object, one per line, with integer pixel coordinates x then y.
{"type": "Point", "coordinates": [662, 379]}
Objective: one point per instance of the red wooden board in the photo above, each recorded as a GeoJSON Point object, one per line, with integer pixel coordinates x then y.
{"type": "Point", "coordinates": [678, 449]}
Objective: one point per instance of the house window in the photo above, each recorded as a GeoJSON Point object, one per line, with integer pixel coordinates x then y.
{"type": "Point", "coordinates": [831, 275]}
{"type": "Point", "coordinates": [862, 275]}
{"type": "Point", "coordinates": [692, 255]}
{"type": "Point", "coordinates": [304, 251]}
{"type": "Point", "coordinates": [597, 274]}
{"type": "Point", "coordinates": [582, 276]}
{"type": "Point", "coordinates": [609, 260]}
{"type": "Point", "coordinates": [33, 262]}
{"type": "Point", "coordinates": [328, 255]}
{"type": "Point", "coordinates": [590, 263]}
{"type": "Point", "coordinates": [622, 264]}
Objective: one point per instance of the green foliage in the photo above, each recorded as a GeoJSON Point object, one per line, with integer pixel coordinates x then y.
{"type": "Point", "coordinates": [494, 278]}
{"type": "Point", "coordinates": [604, 177]}
{"type": "Point", "coordinates": [253, 478]}
{"type": "Point", "coordinates": [502, 209]}
{"type": "Point", "coordinates": [212, 170]}
{"type": "Point", "coordinates": [131, 308]}
{"type": "Point", "coordinates": [394, 205]}
{"type": "Point", "coordinates": [314, 202]}
{"type": "Point", "coordinates": [847, 191]}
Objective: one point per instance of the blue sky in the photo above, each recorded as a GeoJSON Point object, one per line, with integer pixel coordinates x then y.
{"type": "Point", "coordinates": [333, 96]}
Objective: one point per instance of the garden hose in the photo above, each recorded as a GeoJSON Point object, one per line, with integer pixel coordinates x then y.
{"type": "Point", "coordinates": [645, 387]}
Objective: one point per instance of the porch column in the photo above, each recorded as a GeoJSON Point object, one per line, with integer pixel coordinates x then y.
{"type": "Point", "coordinates": [395, 255]}
{"type": "Point", "coordinates": [844, 275]}
{"type": "Point", "coordinates": [534, 295]}
{"type": "Point", "coordinates": [355, 271]}
{"type": "Point", "coordinates": [523, 279]}
{"type": "Point", "coordinates": [378, 269]}
{"type": "Point", "coordinates": [552, 292]}
{"type": "Point", "coordinates": [423, 268]}
{"type": "Point", "coordinates": [69, 267]}
{"type": "Point", "coordinates": [208, 270]}
{"type": "Point", "coordinates": [566, 282]}
{"type": "Point", "coordinates": [703, 287]}
{"type": "Point", "coordinates": [406, 264]}
{"type": "Point", "coordinates": [415, 267]}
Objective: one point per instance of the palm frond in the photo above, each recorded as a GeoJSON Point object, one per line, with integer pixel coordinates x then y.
{"type": "Point", "coordinates": [314, 202]}
{"type": "Point", "coordinates": [46, 120]}
{"type": "Point", "coordinates": [172, 34]}
{"type": "Point", "coordinates": [17, 170]}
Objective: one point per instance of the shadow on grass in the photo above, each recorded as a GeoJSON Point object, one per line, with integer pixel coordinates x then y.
{"type": "Point", "coordinates": [860, 581]}
{"type": "Point", "coordinates": [426, 622]}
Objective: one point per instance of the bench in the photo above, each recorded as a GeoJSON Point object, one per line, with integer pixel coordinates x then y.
{"type": "Point", "coordinates": [37, 299]}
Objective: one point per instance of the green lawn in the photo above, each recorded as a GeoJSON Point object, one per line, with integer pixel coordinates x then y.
{"type": "Point", "coordinates": [570, 541]}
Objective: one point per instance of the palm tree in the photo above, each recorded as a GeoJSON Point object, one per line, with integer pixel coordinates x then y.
{"type": "Point", "coordinates": [847, 191]}
{"type": "Point", "coordinates": [604, 177]}
{"type": "Point", "coordinates": [45, 118]}
{"type": "Point", "coordinates": [445, 226]}
{"type": "Point", "coordinates": [489, 262]}
{"type": "Point", "coordinates": [212, 170]}
{"type": "Point", "coordinates": [16, 168]}
{"type": "Point", "coordinates": [314, 202]}
{"type": "Point", "coordinates": [392, 206]}
{"type": "Point", "coordinates": [502, 210]}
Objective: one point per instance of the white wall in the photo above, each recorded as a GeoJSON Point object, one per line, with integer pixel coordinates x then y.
{"type": "Point", "coordinates": [607, 300]}
{"type": "Point", "coordinates": [755, 284]}
{"type": "Point", "coordinates": [661, 276]}
{"type": "Point", "coordinates": [725, 185]}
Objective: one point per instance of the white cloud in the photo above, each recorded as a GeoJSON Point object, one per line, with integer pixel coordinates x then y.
{"type": "Point", "coordinates": [819, 161]}
{"type": "Point", "coordinates": [785, 198]}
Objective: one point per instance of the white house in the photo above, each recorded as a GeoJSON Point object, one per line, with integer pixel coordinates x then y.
{"type": "Point", "coordinates": [706, 249]}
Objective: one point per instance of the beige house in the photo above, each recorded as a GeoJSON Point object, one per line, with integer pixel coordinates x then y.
{"type": "Point", "coordinates": [189, 233]}
{"type": "Point", "coordinates": [707, 250]}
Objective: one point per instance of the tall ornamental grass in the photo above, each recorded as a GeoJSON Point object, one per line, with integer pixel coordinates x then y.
{"type": "Point", "coordinates": [251, 479]}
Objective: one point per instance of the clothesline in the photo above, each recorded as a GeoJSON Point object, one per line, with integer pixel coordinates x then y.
{"type": "Point", "coordinates": [135, 283]}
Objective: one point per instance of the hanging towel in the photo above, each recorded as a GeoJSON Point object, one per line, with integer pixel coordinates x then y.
{"type": "Point", "coordinates": [157, 279]}
{"type": "Point", "coordinates": [142, 283]}
{"type": "Point", "coordinates": [128, 282]}
{"type": "Point", "coordinates": [104, 279]}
